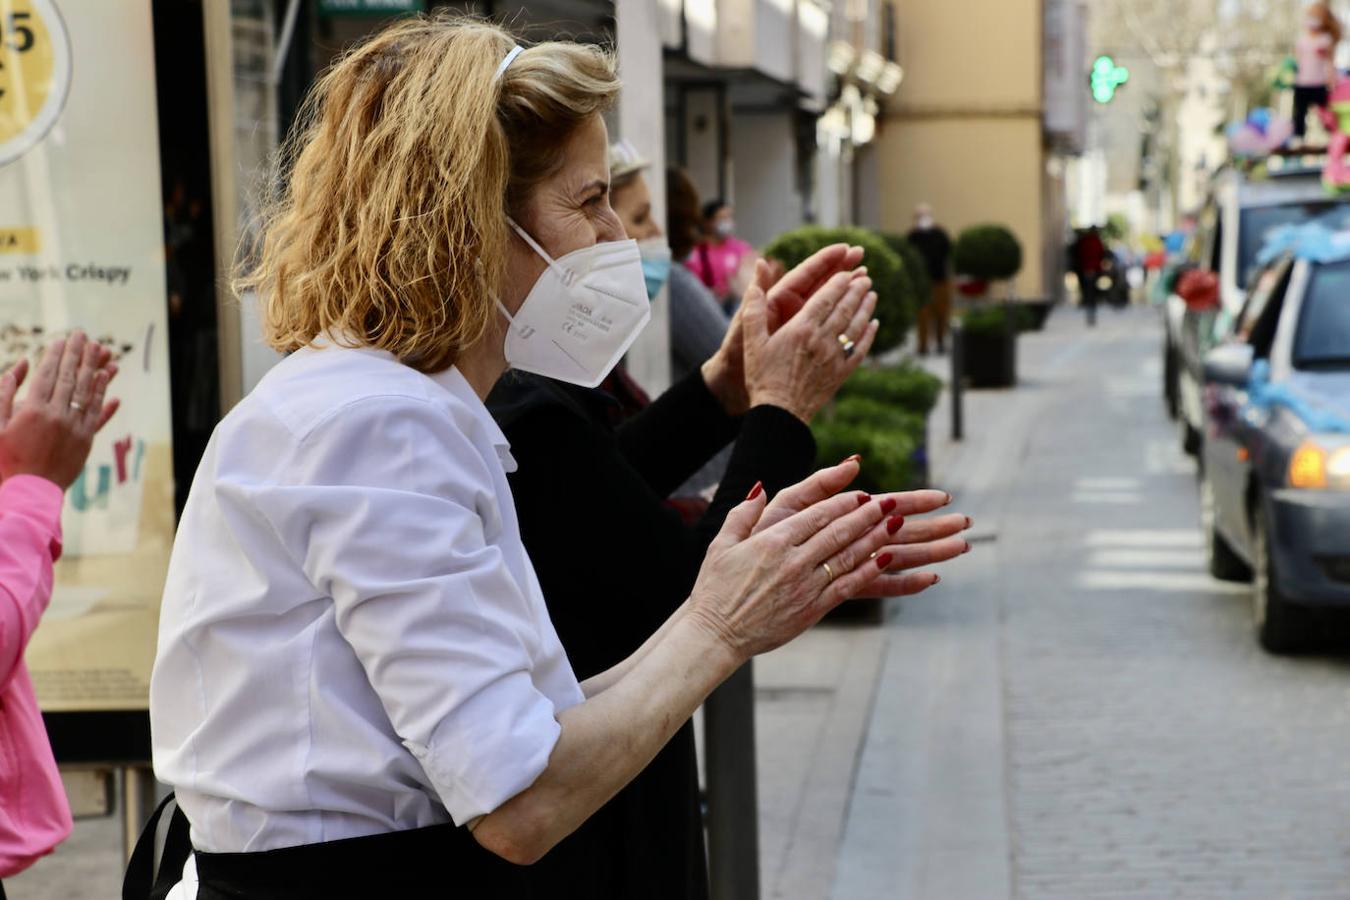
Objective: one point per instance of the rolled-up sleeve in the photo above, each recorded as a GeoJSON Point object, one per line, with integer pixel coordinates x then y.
{"type": "Point", "coordinates": [394, 519]}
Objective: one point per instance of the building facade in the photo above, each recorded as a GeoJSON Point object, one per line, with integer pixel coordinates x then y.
{"type": "Point", "coordinates": [968, 131]}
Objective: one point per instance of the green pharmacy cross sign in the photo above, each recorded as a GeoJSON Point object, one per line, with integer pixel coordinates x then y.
{"type": "Point", "coordinates": [1105, 78]}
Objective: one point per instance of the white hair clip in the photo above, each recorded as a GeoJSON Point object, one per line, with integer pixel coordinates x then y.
{"type": "Point", "coordinates": [515, 51]}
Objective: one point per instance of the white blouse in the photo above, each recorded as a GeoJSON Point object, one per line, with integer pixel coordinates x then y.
{"type": "Point", "coordinates": [353, 639]}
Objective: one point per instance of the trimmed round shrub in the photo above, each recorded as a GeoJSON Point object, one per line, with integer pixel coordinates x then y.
{"type": "Point", "coordinates": [895, 300]}
{"type": "Point", "coordinates": [987, 251]}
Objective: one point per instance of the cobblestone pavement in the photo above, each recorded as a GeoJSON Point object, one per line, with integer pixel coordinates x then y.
{"type": "Point", "coordinates": [1086, 714]}
{"type": "Point", "coordinates": [1153, 749]}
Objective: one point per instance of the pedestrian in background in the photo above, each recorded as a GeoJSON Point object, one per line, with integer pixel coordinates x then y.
{"type": "Point", "coordinates": [1089, 253]}
{"type": "Point", "coordinates": [721, 260]}
{"type": "Point", "coordinates": [1314, 54]}
{"type": "Point", "coordinates": [698, 323]}
{"type": "Point", "coordinates": [935, 248]}
{"type": "Point", "coordinates": [44, 442]}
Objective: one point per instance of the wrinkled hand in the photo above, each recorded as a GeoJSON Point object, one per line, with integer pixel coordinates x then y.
{"type": "Point", "coordinates": [787, 294]}
{"type": "Point", "coordinates": [50, 431]}
{"type": "Point", "coordinates": [758, 589]}
{"type": "Point", "coordinates": [915, 543]}
{"type": "Point", "coordinates": [800, 366]}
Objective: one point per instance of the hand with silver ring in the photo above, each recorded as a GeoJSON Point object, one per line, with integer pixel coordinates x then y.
{"type": "Point", "coordinates": [49, 432]}
{"type": "Point", "coordinates": [800, 366]}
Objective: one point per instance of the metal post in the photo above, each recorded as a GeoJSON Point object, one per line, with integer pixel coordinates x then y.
{"type": "Point", "coordinates": [733, 794]}
{"type": "Point", "coordinates": [136, 785]}
{"type": "Point", "coordinates": [958, 377]}
{"type": "Point", "coordinates": [1010, 329]}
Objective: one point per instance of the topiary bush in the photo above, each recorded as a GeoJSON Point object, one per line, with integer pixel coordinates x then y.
{"type": "Point", "coordinates": [989, 252]}
{"type": "Point", "coordinates": [895, 299]}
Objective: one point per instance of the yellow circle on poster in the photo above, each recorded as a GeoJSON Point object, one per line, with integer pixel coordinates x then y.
{"type": "Point", "coordinates": [34, 73]}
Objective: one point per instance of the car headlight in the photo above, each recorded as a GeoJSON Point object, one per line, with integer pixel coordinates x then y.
{"type": "Point", "coordinates": [1314, 466]}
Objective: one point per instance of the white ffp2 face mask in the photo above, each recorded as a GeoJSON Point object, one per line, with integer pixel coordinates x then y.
{"type": "Point", "coordinates": [582, 314]}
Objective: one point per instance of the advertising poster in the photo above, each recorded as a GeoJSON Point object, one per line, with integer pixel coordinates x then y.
{"type": "Point", "coordinates": [82, 246]}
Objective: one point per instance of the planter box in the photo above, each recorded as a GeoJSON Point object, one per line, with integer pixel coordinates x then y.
{"type": "Point", "coordinates": [990, 359]}
{"type": "Point", "coordinates": [1039, 311]}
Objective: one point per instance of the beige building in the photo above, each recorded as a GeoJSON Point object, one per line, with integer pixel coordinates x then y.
{"type": "Point", "coordinates": [970, 131]}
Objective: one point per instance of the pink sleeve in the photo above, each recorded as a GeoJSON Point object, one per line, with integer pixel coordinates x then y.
{"type": "Point", "coordinates": [695, 264]}
{"type": "Point", "coordinates": [30, 541]}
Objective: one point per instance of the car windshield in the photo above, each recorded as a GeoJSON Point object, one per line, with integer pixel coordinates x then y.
{"type": "Point", "coordinates": [1257, 222]}
{"type": "Point", "coordinates": [1323, 339]}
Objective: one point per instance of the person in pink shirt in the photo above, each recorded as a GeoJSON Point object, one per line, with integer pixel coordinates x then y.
{"type": "Point", "coordinates": [44, 441]}
{"type": "Point", "coordinates": [1314, 52]}
{"type": "Point", "coordinates": [722, 261]}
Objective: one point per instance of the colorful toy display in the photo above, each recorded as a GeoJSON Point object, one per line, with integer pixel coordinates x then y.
{"type": "Point", "coordinates": [1336, 116]}
{"type": "Point", "coordinates": [1262, 133]}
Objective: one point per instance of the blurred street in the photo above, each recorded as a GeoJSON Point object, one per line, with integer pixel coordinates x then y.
{"type": "Point", "coordinates": [1079, 710]}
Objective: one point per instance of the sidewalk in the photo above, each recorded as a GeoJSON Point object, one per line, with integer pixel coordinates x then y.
{"type": "Point", "coordinates": [867, 789]}
{"type": "Point", "coordinates": [817, 696]}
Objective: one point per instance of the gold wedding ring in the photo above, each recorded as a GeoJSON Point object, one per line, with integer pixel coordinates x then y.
{"type": "Point", "coordinates": [846, 344]}
{"type": "Point", "coordinates": [829, 573]}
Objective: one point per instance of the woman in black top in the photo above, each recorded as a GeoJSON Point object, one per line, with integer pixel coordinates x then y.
{"type": "Point", "coordinates": [584, 470]}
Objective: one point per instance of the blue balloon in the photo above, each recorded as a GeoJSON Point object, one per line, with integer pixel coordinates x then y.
{"type": "Point", "coordinates": [1259, 119]}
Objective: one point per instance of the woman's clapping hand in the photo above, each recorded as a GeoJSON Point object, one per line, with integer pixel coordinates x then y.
{"type": "Point", "coordinates": [777, 567]}
{"type": "Point", "coordinates": [50, 431]}
{"type": "Point", "coordinates": [831, 276]}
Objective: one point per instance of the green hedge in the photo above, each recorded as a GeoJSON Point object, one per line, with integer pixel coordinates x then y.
{"type": "Point", "coordinates": [905, 386]}
{"type": "Point", "coordinates": [882, 414]}
{"type": "Point", "coordinates": [991, 318]}
{"type": "Point", "coordinates": [989, 252]}
{"type": "Point", "coordinates": [895, 292]}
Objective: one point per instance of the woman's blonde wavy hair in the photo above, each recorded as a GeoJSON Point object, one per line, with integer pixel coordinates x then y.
{"type": "Point", "coordinates": [389, 227]}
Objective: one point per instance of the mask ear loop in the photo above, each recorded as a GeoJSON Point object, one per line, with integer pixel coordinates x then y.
{"type": "Point", "coordinates": [564, 274]}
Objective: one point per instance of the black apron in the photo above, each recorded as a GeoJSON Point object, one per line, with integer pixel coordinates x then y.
{"type": "Point", "coordinates": [441, 860]}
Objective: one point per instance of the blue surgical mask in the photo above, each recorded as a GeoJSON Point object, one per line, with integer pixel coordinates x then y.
{"type": "Point", "coordinates": [656, 262]}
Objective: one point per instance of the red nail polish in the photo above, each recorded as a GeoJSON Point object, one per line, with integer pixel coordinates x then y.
{"type": "Point", "coordinates": [967, 550]}
{"type": "Point", "coordinates": [968, 522]}
{"type": "Point", "coordinates": [863, 497]}
{"type": "Point", "coordinates": [756, 490]}
{"type": "Point", "coordinates": [893, 524]}
{"type": "Point", "coordinates": [888, 504]}
{"type": "Point", "coordinates": [883, 561]}
{"type": "Point", "coordinates": [857, 458]}
{"type": "Point", "coordinates": [936, 579]}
